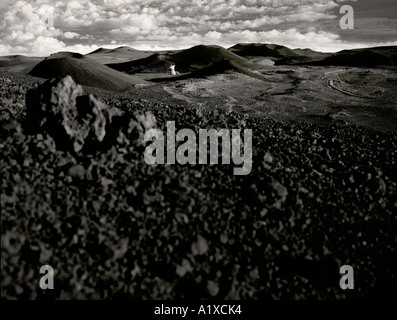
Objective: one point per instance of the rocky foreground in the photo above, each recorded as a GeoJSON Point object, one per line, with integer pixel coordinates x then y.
{"type": "Point", "coordinates": [77, 194]}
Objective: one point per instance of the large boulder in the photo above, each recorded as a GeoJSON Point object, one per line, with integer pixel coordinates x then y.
{"type": "Point", "coordinates": [77, 122]}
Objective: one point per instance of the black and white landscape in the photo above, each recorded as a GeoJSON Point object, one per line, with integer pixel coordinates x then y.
{"type": "Point", "coordinates": [78, 195]}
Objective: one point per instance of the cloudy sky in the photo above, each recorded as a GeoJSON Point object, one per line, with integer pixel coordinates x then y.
{"type": "Point", "coordinates": [83, 25]}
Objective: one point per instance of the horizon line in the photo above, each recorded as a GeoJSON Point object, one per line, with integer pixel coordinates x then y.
{"type": "Point", "coordinates": [112, 47]}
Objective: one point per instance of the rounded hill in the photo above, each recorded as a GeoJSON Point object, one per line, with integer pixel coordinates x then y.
{"type": "Point", "coordinates": [368, 57]}
{"type": "Point", "coordinates": [84, 71]}
{"type": "Point", "coordinates": [261, 49]}
{"type": "Point", "coordinates": [188, 60]}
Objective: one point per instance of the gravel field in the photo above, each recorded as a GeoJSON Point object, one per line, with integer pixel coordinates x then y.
{"type": "Point", "coordinates": [319, 196]}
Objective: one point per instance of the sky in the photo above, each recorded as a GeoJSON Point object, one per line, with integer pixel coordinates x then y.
{"type": "Point", "coordinates": [83, 26]}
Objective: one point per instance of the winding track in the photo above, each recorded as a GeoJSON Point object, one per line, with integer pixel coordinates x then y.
{"type": "Point", "coordinates": [335, 82]}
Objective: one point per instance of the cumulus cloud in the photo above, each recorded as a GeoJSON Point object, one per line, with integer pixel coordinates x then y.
{"type": "Point", "coordinates": [151, 24]}
{"type": "Point", "coordinates": [25, 29]}
{"type": "Point", "coordinates": [71, 35]}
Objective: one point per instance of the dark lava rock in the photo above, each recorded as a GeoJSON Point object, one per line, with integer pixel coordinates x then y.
{"type": "Point", "coordinates": [75, 121]}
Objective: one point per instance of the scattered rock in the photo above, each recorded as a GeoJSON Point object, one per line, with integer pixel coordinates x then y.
{"type": "Point", "coordinates": [200, 246]}
{"type": "Point", "coordinates": [186, 267]}
{"type": "Point", "coordinates": [268, 157]}
{"type": "Point", "coordinates": [212, 288]}
{"type": "Point", "coordinates": [77, 171]}
{"type": "Point", "coordinates": [282, 193]}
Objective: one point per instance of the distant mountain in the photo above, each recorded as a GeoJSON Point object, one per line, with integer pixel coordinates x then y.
{"type": "Point", "coordinates": [122, 49]}
{"type": "Point", "coordinates": [84, 71]}
{"type": "Point", "coordinates": [202, 56]}
{"type": "Point", "coordinates": [366, 57]}
{"type": "Point", "coordinates": [277, 53]}
{"type": "Point", "coordinates": [188, 60]}
{"type": "Point", "coordinates": [117, 55]}
{"type": "Point", "coordinates": [260, 49]}
{"type": "Point", "coordinates": [19, 63]}
{"type": "Point", "coordinates": [100, 51]}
